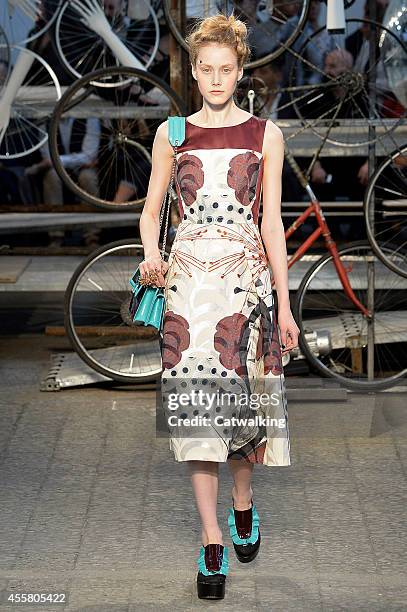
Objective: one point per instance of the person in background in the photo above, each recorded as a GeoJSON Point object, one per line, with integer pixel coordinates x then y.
{"type": "Point", "coordinates": [340, 176]}
{"type": "Point", "coordinates": [272, 76]}
{"type": "Point", "coordinates": [3, 72]}
{"type": "Point", "coordinates": [358, 44]}
{"type": "Point", "coordinates": [78, 148]}
{"type": "Point", "coordinates": [9, 180]}
{"type": "Point", "coordinates": [264, 34]}
{"type": "Point", "coordinates": [312, 48]}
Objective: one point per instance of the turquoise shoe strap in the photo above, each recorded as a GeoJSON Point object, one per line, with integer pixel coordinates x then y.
{"type": "Point", "coordinates": [236, 539]}
{"type": "Point", "coordinates": [224, 568]}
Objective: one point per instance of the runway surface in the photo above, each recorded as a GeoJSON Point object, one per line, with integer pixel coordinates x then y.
{"type": "Point", "coordinates": [93, 504]}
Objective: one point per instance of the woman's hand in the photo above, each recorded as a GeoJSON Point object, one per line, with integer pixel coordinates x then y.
{"type": "Point", "coordinates": [154, 264]}
{"type": "Point", "coordinates": [289, 331]}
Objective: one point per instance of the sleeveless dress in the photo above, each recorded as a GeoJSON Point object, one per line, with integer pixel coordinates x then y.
{"type": "Point", "coordinates": [222, 382]}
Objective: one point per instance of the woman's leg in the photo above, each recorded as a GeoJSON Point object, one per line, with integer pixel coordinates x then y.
{"type": "Point", "coordinates": [205, 482]}
{"type": "Point", "coordinates": [242, 472]}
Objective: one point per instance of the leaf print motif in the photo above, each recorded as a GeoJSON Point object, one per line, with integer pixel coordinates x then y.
{"type": "Point", "coordinates": [228, 342]}
{"type": "Point", "coordinates": [176, 338]}
{"type": "Point", "coordinates": [242, 176]}
{"type": "Point", "coordinates": [190, 176]}
{"type": "Point", "coordinates": [186, 261]}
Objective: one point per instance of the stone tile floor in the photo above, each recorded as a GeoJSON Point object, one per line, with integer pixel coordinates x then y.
{"type": "Point", "coordinates": [93, 504]}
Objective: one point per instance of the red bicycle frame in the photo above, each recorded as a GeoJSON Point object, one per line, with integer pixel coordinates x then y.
{"type": "Point", "coordinates": [315, 207]}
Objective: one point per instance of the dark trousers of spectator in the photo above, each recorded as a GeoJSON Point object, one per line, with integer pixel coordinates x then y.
{"type": "Point", "coordinates": [54, 195]}
{"type": "Point", "coordinates": [9, 187]}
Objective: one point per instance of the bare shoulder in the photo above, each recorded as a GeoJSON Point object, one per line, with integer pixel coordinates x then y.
{"type": "Point", "coordinates": [272, 132]}
{"type": "Point", "coordinates": [161, 138]}
{"type": "Point", "coordinates": [273, 141]}
{"type": "Point", "coordinates": [162, 131]}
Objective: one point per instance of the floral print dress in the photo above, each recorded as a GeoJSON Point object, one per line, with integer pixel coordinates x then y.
{"type": "Point", "coordinates": [220, 335]}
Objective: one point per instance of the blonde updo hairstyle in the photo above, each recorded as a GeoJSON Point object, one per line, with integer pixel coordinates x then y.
{"type": "Point", "coordinates": [220, 29]}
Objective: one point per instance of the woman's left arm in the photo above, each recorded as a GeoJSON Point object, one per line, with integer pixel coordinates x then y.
{"type": "Point", "coordinates": [272, 231]}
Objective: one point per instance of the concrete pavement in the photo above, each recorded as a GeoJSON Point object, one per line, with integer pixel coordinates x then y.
{"type": "Point", "coordinates": [93, 504]}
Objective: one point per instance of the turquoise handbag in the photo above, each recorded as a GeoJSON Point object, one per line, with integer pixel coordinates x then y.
{"type": "Point", "coordinates": [147, 303]}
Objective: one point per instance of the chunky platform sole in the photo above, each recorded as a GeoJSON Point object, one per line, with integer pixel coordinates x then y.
{"type": "Point", "coordinates": [213, 567]}
{"type": "Point", "coordinates": [246, 558]}
{"type": "Point", "coordinates": [210, 587]}
{"type": "Point", "coordinates": [245, 532]}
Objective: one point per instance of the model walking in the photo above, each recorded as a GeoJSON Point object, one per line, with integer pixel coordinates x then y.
{"type": "Point", "coordinates": [221, 340]}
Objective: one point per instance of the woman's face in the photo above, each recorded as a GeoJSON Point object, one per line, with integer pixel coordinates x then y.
{"type": "Point", "coordinates": [216, 69]}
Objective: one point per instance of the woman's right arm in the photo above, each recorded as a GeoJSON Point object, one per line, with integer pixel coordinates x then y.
{"type": "Point", "coordinates": [162, 160]}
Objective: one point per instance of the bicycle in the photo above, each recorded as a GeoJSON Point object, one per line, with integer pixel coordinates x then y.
{"type": "Point", "coordinates": [385, 207]}
{"type": "Point", "coordinates": [81, 47]}
{"type": "Point", "coordinates": [344, 317]}
{"type": "Point", "coordinates": [128, 104]}
{"type": "Point", "coordinates": [346, 331]}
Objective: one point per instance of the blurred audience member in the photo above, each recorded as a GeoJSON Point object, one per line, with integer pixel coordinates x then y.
{"type": "Point", "coordinates": [312, 48]}
{"type": "Point", "coordinates": [124, 168]}
{"type": "Point", "coordinates": [3, 72]}
{"type": "Point", "coordinates": [263, 34]}
{"type": "Point", "coordinates": [358, 44]}
{"type": "Point", "coordinates": [10, 193]}
{"type": "Point", "coordinates": [78, 148]}
{"type": "Point", "coordinates": [271, 75]}
{"type": "Point", "coordinates": [45, 48]}
{"type": "Point", "coordinates": [270, 95]}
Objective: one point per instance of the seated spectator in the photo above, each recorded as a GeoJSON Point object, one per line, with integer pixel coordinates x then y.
{"type": "Point", "coordinates": [333, 98]}
{"type": "Point", "coordinates": [10, 193]}
{"type": "Point", "coordinates": [124, 168]}
{"type": "Point", "coordinates": [271, 75]}
{"type": "Point", "coordinates": [312, 48]}
{"type": "Point", "coordinates": [3, 72]}
{"type": "Point", "coordinates": [78, 149]}
{"type": "Point", "coordinates": [270, 97]}
{"type": "Point", "coordinates": [295, 72]}
{"type": "Point", "coordinates": [358, 44]}
{"type": "Point", "coordinates": [339, 178]}
{"type": "Point", "coordinates": [44, 47]}
{"type": "Point", "coordinates": [263, 35]}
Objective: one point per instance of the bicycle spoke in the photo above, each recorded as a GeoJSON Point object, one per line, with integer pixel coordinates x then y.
{"type": "Point", "coordinates": [125, 138]}
{"type": "Point", "coordinates": [96, 309]}
{"type": "Point", "coordinates": [329, 314]}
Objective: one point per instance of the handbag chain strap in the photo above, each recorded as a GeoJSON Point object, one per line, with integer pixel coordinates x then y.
{"type": "Point", "coordinates": [167, 200]}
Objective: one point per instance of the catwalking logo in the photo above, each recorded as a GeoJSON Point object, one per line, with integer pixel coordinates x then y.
{"type": "Point", "coordinates": [214, 407]}
{"type": "Point", "coordinates": [219, 420]}
{"type": "Point", "coordinates": [207, 400]}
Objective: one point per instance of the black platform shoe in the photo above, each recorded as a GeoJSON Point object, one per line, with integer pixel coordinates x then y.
{"type": "Point", "coordinates": [245, 533]}
{"type": "Point", "coordinates": [213, 566]}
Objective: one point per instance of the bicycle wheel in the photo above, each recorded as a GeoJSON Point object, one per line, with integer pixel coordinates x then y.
{"type": "Point", "coordinates": [337, 338]}
{"type": "Point", "coordinates": [97, 320]}
{"type": "Point", "coordinates": [26, 129]}
{"type": "Point", "coordinates": [267, 39]}
{"type": "Point", "coordinates": [119, 111]}
{"type": "Point", "coordinates": [338, 89]}
{"type": "Point", "coordinates": [251, 94]}
{"type": "Point", "coordinates": [385, 206]}
{"type": "Point", "coordinates": [82, 50]}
